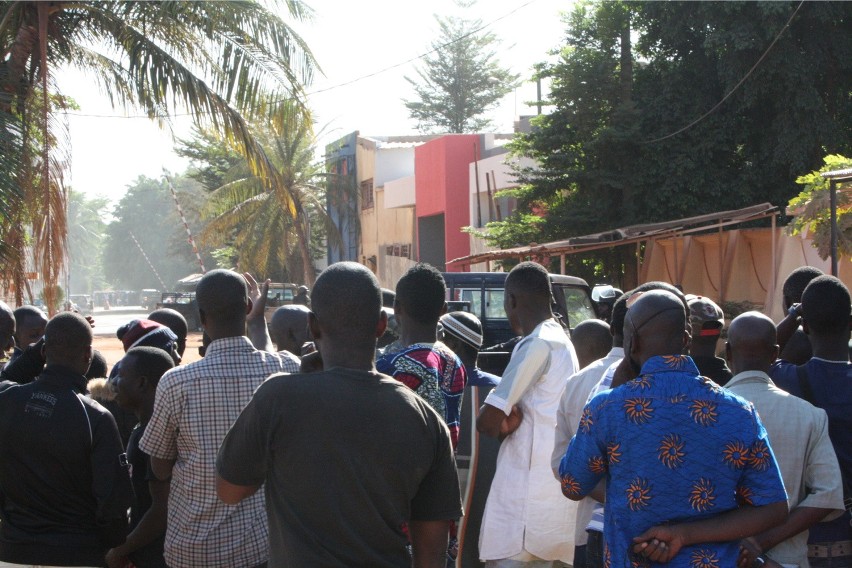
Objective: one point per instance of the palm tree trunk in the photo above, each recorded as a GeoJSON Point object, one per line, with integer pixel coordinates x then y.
{"type": "Point", "coordinates": [305, 248]}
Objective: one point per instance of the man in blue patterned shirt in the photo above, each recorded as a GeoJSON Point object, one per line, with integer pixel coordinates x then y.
{"type": "Point", "coordinates": [687, 464]}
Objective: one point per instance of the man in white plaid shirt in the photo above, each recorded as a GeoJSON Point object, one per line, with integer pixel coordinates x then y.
{"type": "Point", "coordinates": [194, 408]}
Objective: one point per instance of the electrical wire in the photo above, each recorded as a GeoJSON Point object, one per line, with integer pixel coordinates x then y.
{"type": "Point", "coordinates": [345, 83]}
{"type": "Point", "coordinates": [737, 86]}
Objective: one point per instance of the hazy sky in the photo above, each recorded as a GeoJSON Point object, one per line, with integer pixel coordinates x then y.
{"type": "Point", "coordinates": [349, 40]}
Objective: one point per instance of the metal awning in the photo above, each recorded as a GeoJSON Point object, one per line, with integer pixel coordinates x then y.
{"type": "Point", "coordinates": [627, 235]}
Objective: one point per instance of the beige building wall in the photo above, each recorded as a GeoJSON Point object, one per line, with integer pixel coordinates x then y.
{"type": "Point", "coordinates": [394, 229]}
{"type": "Point", "coordinates": [746, 265]}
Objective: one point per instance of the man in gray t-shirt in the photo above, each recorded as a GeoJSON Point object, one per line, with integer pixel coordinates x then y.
{"type": "Point", "coordinates": [354, 463]}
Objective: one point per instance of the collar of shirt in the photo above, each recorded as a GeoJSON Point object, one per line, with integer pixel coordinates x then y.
{"type": "Point", "coordinates": [615, 352]}
{"type": "Point", "coordinates": [228, 344]}
{"type": "Point", "coordinates": [668, 364]}
{"type": "Point", "coordinates": [749, 377]}
{"type": "Point", "coordinates": [59, 375]}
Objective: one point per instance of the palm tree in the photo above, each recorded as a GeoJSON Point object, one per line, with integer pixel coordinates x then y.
{"type": "Point", "coordinates": [271, 227]}
{"type": "Point", "coordinates": [219, 60]}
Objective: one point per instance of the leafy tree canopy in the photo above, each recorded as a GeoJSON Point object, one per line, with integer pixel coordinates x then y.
{"type": "Point", "coordinates": [460, 80]}
{"type": "Point", "coordinates": [632, 73]}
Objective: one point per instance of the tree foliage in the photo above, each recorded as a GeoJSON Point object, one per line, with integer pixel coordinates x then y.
{"type": "Point", "coordinates": [812, 208]}
{"type": "Point", "coordinates": [630, 74]}
{"type": "Point", "coordinates": [86, 234]}
{"type": "Point", "coordinates": [219, 60]}
{"type": "Point", "coordinates": [460, 80]}
{"type": "Point", "coordinates": [148, 212]}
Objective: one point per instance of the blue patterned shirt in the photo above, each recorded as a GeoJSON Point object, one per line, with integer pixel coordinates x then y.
{"type": "Point", "coordinates": [674, 447]}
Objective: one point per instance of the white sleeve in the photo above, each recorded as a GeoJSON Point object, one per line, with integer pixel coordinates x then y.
{"type": "Point", "coordinates": [528, 364]}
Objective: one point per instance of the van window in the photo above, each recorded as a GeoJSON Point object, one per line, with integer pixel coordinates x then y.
{"type": "Point", "coordinates": [279, 296]}
{"type": "Point", "coordinates": [577, 302]}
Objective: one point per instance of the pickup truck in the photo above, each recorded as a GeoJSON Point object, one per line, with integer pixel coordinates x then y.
{"type": "Point", "coordinates": [482, 293]}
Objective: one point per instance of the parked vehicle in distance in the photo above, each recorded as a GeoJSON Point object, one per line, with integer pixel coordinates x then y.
{"type": "Point", "coordinates": [148, 298]}
{"type": "Point", "coordinates": [183, 303]}
{"type": "Point", "coordinates": [280, 294]}
{"type": "Point", "coordinates": [482, 293]}
{"type": "Point", "coordinates": [82, 303]}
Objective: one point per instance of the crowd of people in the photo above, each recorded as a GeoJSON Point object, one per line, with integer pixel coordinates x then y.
{"type": "Point", "coordinates": [628, 442]}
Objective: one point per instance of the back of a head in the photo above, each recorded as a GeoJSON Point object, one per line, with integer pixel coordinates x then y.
{"type": "Point", "coordinates": [29, 315]}
{"type": "Point", "coordinates": [592, 340]}
{"type": "Point", "coordinates": [66, 337]}
{"type": "Point", "coordinates": [826, 307]}
{"type": "Point", "coordinates": [464, 327]}
{"type": "Point", "coordinates": [616, 322]}
{"type": "Point", "coordinates": [347, 303]}
{"type": "Point", "coordinates": [223, 296]}
{"type": "Point", "coordinates": [421, 292]}
{"type": "Point", "coordinates": [172, 319]}
{"type": "Point", "coordinates": [752, 342]}
{"type": "Point", "coordinates": [659, 318]}
{"type": "Point", "coordinates": [152, 362]}
{"type": "Point", "coordinates": [290, 320]}
{"type": "Point", "coordinates": [796, 283]}
{"type": "Point", "coordinates": [531, 280]}
{"type": "Point", "coordinates": [97, 366]}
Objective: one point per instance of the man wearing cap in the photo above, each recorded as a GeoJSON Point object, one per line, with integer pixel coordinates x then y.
{"type": "Point", "coordinates": [148, 333]}
{"type": "Point", "coordinates": [462, 333]}
{"type": "Point", "coordinates": [707, 321]}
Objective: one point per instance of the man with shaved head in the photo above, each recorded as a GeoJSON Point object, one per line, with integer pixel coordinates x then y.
{"type": "Point", "coordinates": [825, 381]}
{"type": "Point", "coordinates": [64, 489]}
{"type": "Point", "coordinates": [525, 520]}
{"type": "Point", "coordinates": [194, 407]}
{"type": "Point", "coordinates": [350, 457]}
{"type": "Point", "coordinates": [687, 464]}
{"type": "Point", "coordinates": [799, 434]}
{"type": "Point", "coordinates": [289, 328]}
{"type": "Point", "coordinates": [592, 341]}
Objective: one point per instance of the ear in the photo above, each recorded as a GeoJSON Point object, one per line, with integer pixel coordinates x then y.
{"type": "Point", "coordinates": [775, 352]}
{"type": "Point", "coordinates": [202, 317]}
{"type": "Point", "coordinates": [444, 309]}
{"type": "Point", "coordinates": [382, 325]}
{"type": "Point", "coordinates": [313, 325]}
{"type": "Point", "coordinates": [805, 327]}
{"type": "Point", "coordinates": [687, 341]}
{"type": "Point", "coordinates": [249, 305]}
{"type": "Point", "coordinates": [729, 353]}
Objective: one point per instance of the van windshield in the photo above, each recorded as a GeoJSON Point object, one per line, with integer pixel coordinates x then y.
{"type": "Point", "coordinates": [577, 302]}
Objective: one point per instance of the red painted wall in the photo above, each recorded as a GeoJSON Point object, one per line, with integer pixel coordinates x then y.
{"type": "Point", "coordinates": [441, 186]}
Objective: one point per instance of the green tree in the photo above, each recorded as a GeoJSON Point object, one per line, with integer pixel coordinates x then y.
{"type": "Point", "coordinates": [632, 138]}
{"type": "Point", "coordinates": [147, 215]}
{"type": "Point", "coordinates": [812, 208]}
{"type": "Point", "coordinates": [275, 233]}
{"type": "Point", "coordinates": [219, 60]}
{"type": "Point", "coordinates": [460, 80]}
{"type": "Point", "coordinates": [86, 232]}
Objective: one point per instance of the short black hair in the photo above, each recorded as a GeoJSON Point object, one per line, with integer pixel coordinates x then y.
{"type": "Point", "coordinates": [532, 279]}
{"type": "Point", "coordinates": [422, 293]}
{"type": "Point", "coordinates": [619, 311]}
{"type": "Point", "coordinates": [826, 306]}
{"type": "Point", "coordinates": [66, 334]}
{"type": "Point", "coordinates": [152, 361]}
{"type": "Point", "coordinates": [97, 366]}
{"type": "Point", "coordinates": [347, 302]}
{"type": "Point", "coordinates": [796, 282]}
{"type": "Point", "coordinates": [25, 314]}
{"type": "Point", "coordinates": [222, 295]}
{"type": "Point", "coordinates": [172, 319]}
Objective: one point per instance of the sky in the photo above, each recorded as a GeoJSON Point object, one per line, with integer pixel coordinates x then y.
{"type": "Point", "coordinates": [350, 41]}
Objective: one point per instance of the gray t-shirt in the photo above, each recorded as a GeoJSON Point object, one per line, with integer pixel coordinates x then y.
{"type": "Point", "coordinates": [348, 458]}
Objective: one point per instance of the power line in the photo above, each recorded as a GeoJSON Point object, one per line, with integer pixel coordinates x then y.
{"type": "Point", "coordinates": [737, 86]}
{"type": "Point", "coordinates": [349, 82]}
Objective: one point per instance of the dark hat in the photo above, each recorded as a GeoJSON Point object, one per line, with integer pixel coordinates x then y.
{"type": "Point", "coordinates": [141, 332]}
{"type": "Point", "coordinates": [705, 315]}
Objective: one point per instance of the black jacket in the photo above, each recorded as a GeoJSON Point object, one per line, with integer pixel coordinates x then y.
{"type": "Point", "coordinates": [64, 485]}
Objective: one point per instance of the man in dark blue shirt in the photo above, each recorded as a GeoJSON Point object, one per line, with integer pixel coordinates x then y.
{"type": "Point", "coordinates": [826, 382]}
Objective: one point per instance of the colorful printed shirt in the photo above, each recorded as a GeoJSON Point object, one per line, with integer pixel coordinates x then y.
{"type": "Point", "coordinates": [433, 372]}
{"type": "Point", "coordinates": [674, 447]}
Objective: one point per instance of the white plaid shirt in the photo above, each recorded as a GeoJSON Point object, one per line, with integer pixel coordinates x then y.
{"type": "Point", "coordinates": [194, 407]}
